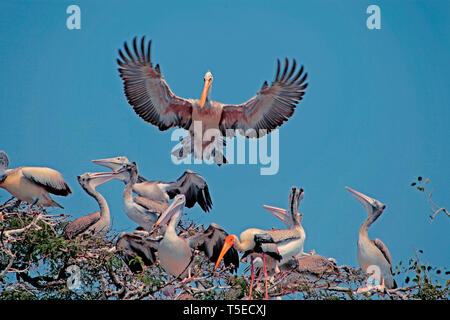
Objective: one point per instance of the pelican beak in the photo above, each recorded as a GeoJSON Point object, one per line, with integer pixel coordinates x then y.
{"type": "Point", "coordinates": [165, 217]}
{"type": "Point", "coordinates": [229, 242]}
{"type": "Point", "coordinates": [366, 201]}
{"type": "Point", "coordinates": [101, 178]}
{"type": "Point", "coordinates": [112, 163]}
{"type": "Point", "coordinates": [205, 93]}
{"type": "Point", "coordinates": [281, 214]}
{"type": "Point", "coordinates": [1, 218]}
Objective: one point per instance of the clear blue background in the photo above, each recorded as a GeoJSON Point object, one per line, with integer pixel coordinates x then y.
{"type": "Point", "coordinates": [374, 117]}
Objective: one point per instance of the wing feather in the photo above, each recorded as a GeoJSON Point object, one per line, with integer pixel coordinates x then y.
{"type": "Point", "coordinates": [384, 250]}
{"type": "Point", "coordinates": [50, 179]}
{"type": "Point", "coordinates": [270, 107]}
{"type": "Point", "coordinates": [151, 205]}
{"type": "Point", "coordinates": [148, 92]}
{"type": "Point", "coordinates": [211, 243]}
{"type": "Point", "coordinates": [194, 187]}
{"type": "Point", "coordinates": [80, 225]}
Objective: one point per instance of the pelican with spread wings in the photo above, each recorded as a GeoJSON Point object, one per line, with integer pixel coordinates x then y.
{"type": "Point", "coordinates": [151, 98]}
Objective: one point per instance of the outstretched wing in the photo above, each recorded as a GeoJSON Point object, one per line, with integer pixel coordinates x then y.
{"type": "Point", "coordinates": [50, 179]}
{"type": "Point", "coordinates": [270, 107]}
{"type": "Point", "coordinates": [384, 250]}
{"type": "Point", "coordinates": [194, 187]}
{"type": "Point", "coordinates": [147, 91]}
{"type": "Point", "coordinates": [211, 243]}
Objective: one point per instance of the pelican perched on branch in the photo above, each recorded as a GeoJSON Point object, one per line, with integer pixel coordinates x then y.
{"type": "Point", "coordinates": [175, 253]}
{"type": "Point", "coordinates": [141, 210]}
{"type": "Point", "coordinates": [32, 184]}
{"type": "Point", "coordinates": [97, 223]}
{"type": "Point", "coordinates": [191, 184]}
{"type": "Point", "coordinates": [373, 256]}
{"type": "Point", "coordinates": [151, 98]}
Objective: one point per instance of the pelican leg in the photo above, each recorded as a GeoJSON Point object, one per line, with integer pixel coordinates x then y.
{"type": "Point", "coordinates": [265, 275]}
{"type": "Point", "coordinates": [27, 210]}
{"type": "Point", "coordinates": [252, 278]}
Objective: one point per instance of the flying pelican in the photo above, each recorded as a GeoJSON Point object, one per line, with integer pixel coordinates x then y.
{"type": "Point", "coordinates": [32, 184]}
{"type": "Point", "coordinates": [175, 253]}
{"type": "Point", "coordinates": [151, 98]}
{"type": "Point", "coordinates": [141, 210]}
{"type": "Point", "coordinates": [191, 184]}
{"type": "Point", "coordinates": [98, 223]}
{"type": "Point", "coordinates": [373, 256]}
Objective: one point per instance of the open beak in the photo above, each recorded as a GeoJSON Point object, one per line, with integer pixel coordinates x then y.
{"type": "Point", "coordinates": [165, 217]}
{"type": "Point", "coordinates": [281, 214]}
{"type": "Point", "coordinates": [205, 93]}
{"type": "Point", "coordinates": [229, 241]}
{"type": "Point", "coordinates": [363, 199]}
{"type": "Point", "coordinates": [111, 163]}
{"type": "Point", "coordinates": [101, 178]}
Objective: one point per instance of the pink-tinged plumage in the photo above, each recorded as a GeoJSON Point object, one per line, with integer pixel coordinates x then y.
{"type": "Point", "coordinates": [151, 98]}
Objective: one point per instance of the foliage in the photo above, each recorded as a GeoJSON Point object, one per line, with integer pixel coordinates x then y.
{"type": "Point", "coordinates": [421, 185]}
{"type": "Point", "coordinates": [35, 260]}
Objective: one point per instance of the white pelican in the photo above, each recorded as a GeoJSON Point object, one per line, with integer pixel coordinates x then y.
{"type": "Point", "coordinates": [151, 98]}
{"type": "Point", "coordinates": [373, 255]}
{"type": "Point", "coordinates": [175, 253]}
{"type": "Point", "coordinates": [98, 223]}
{"type": "Point", "coordinates": [191, 184]}
{"type": "Point", "coordinates": [141, 210]}
{"type": "Point", "coordinates": [32, 184]}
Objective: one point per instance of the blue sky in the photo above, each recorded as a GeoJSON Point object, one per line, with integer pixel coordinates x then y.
{"type": "Point", "coordinates": [374, 117]}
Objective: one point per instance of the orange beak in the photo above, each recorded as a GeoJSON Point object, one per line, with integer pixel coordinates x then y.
{"type": "Point", "coordinates": [229, 242]}
{"type": "Point", "coordinates": [205, 93]}
{"type": "Point", "coordinates": [1, 218]}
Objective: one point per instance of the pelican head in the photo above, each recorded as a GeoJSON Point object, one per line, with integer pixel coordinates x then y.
{"type": "Point", "coordinates": [208, 79]}
{"type": "Point", "coordinates": [113, 163]}
{"type": "Point", "coordinates": [127, 171]}
{"type": "Point", "coordinates": [374, 207]}
{"type": "Point", "coordinates": [176, 206]}
{"type": "Point", "coordinates": [89, 180]}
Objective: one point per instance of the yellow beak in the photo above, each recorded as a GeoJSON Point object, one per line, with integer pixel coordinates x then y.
{"type": "Point", "coordinates": [205, 93]}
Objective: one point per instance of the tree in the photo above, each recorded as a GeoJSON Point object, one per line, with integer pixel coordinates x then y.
{"type": "Point", "coordinates": [36, 260]}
